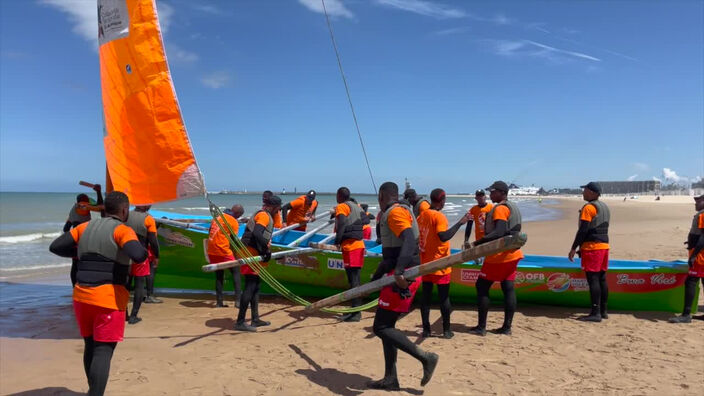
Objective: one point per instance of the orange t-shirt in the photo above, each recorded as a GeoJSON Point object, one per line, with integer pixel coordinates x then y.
{"type": "Point", "coordinates": [423, 206]}
{"type": "Point", "coordinates": [299, 210]}
{"type": "Point", "coordinates": [150, 223]}
{"type": "Point", "coordinates": [348, 245]}
{"type": "Point", "coordinates": [430, 223]}
{"type": "Point", "coordinates": [502, 212]}
{"type": "Point", "coordinates": [218, 244]}
{"type": "Point", "coordinates": [587, 214]}
{"type": "Point", "coordinates": [263, 219]}
{"type": "Point", "coordinates": [399, 219]}
{"type": "Point", "coordinates": [479, 216]}
{"type": "Point", "coordinates": [699, 261]}
{"type": "Point", "coordinates": [106, 296]}
{"type": "Point", "coordinates": [277, 220]}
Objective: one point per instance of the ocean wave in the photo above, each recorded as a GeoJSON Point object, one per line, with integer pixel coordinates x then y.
{"type": "Point", "coordinates": [28, 237]}
{"type": "Point", "coordinates": [34, 267]}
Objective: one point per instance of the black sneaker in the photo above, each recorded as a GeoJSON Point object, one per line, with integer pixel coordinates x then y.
{"type": "Point", "coordinates": [388, 384]}
{"type": "Point", "coordinates": [476, 330]}
{"type": "Point", "coordinates": [502, 330]}
{"type": "Point", "coordinates": [681, 319]}
{"type": "Point", "coordinates": [221, 305]}
{"type": "Point", "coordinates": [260, 323]}
{"type": "Point", "coordinates": [447, 334]}
{"type": "Point", "coordinates": [590, 318]}
{"type": "Point", "coordinates": [133, 320]}
{"type": "Point", "coordinates": [426, 333]}
{"type": "Point", "coordinates": [429, 367]}
{"type": "Point", "coordinates": [604, 315]}
{"type": "Point", "coordinates": [245, 327]}
{"type": "Point", "coordinates": [354, 317]}
{"type": "Point", "coordinates": [152, 300]}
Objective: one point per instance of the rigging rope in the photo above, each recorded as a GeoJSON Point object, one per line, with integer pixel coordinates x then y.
{"type": "Point", "coordinates": [244, 253]}
{"type": "Point", "coordinates": [347, 90]}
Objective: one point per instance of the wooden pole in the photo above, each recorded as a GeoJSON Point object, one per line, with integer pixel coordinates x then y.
{"type": "Point", "coordinates": [287, 228]}
{"type": "Point", "coordinates": [241, 262]}
{"type": "Point", "coordinates": [493, 247]}
{"type": "Point", "coordinates": [179, 224]}
{"type": "Point", "coordinates": [86, 184]}
{"type": "Point", "coordinates": [309, 234]}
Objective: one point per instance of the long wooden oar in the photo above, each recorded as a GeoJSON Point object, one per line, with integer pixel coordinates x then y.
{"type": "Point", "coordinates": [493, 247]}
{"type": "Point", "coordinates": [309, 234]}
{"type": "Point", "coordinates": [86, 184]}
{"type": "Point", "coordinates": [323, 246]}
{"type": "Point", "coordinates": [241, 262]}
{"type": "Point", "coordinates": [284, 229]}
{"type": "Point", "coordinates": [180, 224]}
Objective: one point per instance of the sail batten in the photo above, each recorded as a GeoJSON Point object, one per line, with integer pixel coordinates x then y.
{"type": "Point", "coordinates": [147, 150]}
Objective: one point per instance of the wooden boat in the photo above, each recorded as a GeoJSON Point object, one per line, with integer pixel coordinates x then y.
{"type": "Point", "coordinates": [547, 280]}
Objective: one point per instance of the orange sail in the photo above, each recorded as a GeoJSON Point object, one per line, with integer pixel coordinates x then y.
{"type": "Point", "coordinates": [148, 154]}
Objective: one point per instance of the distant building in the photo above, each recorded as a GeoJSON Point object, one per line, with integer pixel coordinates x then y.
{"type": "Point", "coordinates": [630, 187]}
{"type": "Point", "coordinates": [523, 190]}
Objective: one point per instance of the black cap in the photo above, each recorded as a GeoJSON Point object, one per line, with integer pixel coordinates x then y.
{"type": "Point", "coordinates": [311, 194]}
{"type": "Point", "coordinates": [593, 186]}
{"type": "Point", "coordinates": [409, 193]}
{"type": "Point", "coordinates": [274, 200]}
{"type": "Point", "coordinates": [479, 192]}
{"type": "Point", "coordinates": [498, 185]}
{"type": "Point", "coordinates": [699, 198]}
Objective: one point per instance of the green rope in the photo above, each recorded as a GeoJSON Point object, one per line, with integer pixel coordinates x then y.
{"type": "Point", "coordinates": [243, 253]}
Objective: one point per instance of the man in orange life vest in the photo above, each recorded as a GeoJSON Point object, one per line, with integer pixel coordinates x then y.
{"type": "Point", "coordinates": [143, 224]}
{"type": "Point", "coordinates": [399, 238]}
{"type": "Point", "coordinates": [257, 238]}
{"type": "Point", "coordinates": [104, 248]}
{"type": "Point", "coordinates": [478, 217]}
{"type": "Point", "coordinates": [367, 229]}
{"type": "Point", "coordinates": [80, 213]}
{"type": "Point", "coordinates": [219, 251]}
{"type": "Point", "coordinates": [348, 235]}
{"type": "Point", "coordinates": [300, 210]}
{"type": "Point", "coordinates": [418, 203]}
{"type": "Point", "coordinates": [592, 239]}
{"type": "Point", "coordinates": [502, 220]}
{"type": "Point", "coordinates": [695, 247]}
{"type": "Point", "coordinates": [434, 243]}
{"type": "Point", "coordinates": [278, 223]}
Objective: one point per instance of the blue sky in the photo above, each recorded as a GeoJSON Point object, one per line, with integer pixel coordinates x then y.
{"type": "Point", "coordinates": [448, 94]}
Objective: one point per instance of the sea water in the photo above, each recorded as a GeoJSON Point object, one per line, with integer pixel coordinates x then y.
{"type": "Point", "coordinates": [29, 222]}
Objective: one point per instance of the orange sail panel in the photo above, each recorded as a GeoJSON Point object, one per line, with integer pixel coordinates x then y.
{"type": "Point", "coordinates": [148, 154]}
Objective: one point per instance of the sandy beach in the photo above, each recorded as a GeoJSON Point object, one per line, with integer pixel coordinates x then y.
{"type": "Point", "coordinates": [187, 347]}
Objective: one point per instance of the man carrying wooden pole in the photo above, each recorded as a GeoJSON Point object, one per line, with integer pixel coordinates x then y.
{"type": "Point", "coordinates": [399, 238]}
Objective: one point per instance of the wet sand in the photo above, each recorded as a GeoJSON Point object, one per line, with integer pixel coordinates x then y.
{"type": "Point", "coordinates": [187, 347]}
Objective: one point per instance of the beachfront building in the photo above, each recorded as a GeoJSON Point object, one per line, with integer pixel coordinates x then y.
{"type": "Point", "coordinates": [532, 190]}
{"type": "Point", "coordinates": [642, 187]}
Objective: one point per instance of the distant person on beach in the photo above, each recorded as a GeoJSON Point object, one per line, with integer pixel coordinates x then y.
{"type": "Point", "coordinates": [367, 229]}
{"type": "Point", "coordinates": [502, 220]}
{"type": "Point", "coordinates": [220, 251]}
{"type": "Point", "coordinates": [418, 203]}
{"type": "Point", "coordinates": [695, 246]}
{"type": "Point", "coordinates": [434, 243]}
{"type": "Point", "coordinates": [592, 239]}
{"type": "Point", "coordinates": [399, 238]}
{"type": "Point", "coordinates": [348, 235]}
{"type": "Point", "coordinates": [257, 238]}
{"type": "Point", "coordinates": [478, 217]}
{"type": "Point", "coordinates": [104, 248]}
{"type": "Point", "coordinates": [143, 224]}
{"type": "Point", "coordinates": [300, 210]}
{"type": "Point", "coordinates": [80, 213]}
{"type": "Point", "coordinates": [278, 223]}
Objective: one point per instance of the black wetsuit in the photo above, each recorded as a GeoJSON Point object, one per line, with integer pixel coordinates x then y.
{"type": "Point", "coordinates": [598, 287]}
{"type": "Point", "coordinates": [140, 282]}
{"type": "Point", "coordinates": [250, 295]}
{"type": "Point", "coordinates": [67, 227]}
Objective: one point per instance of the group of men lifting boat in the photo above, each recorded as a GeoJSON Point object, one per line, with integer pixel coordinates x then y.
{"type": "Point", "coordinates": [411, 230]}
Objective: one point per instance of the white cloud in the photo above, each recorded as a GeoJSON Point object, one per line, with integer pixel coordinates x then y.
{"type": "Point", "coordinates": [671, 175]}
{"type": "Point", "coordinates": [216, 80]}
{"type": "Point", "coordinates": [177, 54]}
{"type": "Point", "coordinates": [657, 179]}
{"type": "Point", "coordinates": [640, 166]}
{"type": "Point", "coordinates": [426, 8]}
{"type": "Point", "coordinates": [632, 177]}
{"type": "Point", "coordinates": [529, 48]}
{"type": "Point", "coordinates": [207, 8]}
{"type": "Point", "coordinates": [449, 31]}
{"type": "Point", "coordinates": [84, 16]}
{"type": "Point", "coordinates": [335, 8]}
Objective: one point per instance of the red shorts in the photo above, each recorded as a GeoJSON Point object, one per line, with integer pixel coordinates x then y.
{"type": "Point", "coordinates": [392, 301]}
{"type": "Point", "coordinates": [437, 279]}
{"type": "Point", "coordinates": [143, 268]}
{"type": "Point", "coordinates": [105, 325]}
{"type": "Point", "coordinates": [696, 270]}
{"type": "Point", "coordinates": [367, 233]}
{"type": "Point", "coordinates": [219, 259]}
{"type": "Point", "coordinates": [353, 258]}
{"type": "Point", "coordinates": [498, 272]}
{"type": "Point", "coordinates": [595, 260]}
